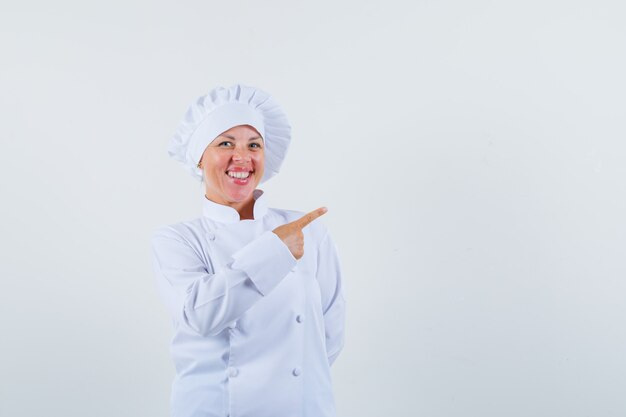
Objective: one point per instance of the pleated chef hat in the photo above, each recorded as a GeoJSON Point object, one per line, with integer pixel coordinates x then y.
{"type": "Point", "coordinates": [223, 108]}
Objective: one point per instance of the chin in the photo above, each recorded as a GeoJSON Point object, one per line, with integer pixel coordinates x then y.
{"type": "Point", "coordinates": [240, 196]}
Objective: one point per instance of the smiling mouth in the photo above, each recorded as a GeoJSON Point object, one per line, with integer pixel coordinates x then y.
{"type": "Point", "coordinates": [240, 175]}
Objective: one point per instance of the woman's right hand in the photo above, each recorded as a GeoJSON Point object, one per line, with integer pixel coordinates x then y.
{"type": "Point", "coordinates": [291, 233]}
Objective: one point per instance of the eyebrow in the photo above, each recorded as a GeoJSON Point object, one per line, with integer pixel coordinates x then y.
{"type": "Point", "coordinates": [233, 138]}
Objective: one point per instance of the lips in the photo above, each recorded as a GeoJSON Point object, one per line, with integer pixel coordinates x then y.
{"type": "Point", "coordinates": [240, 176]}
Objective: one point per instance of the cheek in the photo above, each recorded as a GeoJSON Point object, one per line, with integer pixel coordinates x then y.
{"type": "Point", "coordinates": [217, 160]}
{"type": "Point", "coordinates": [259, 159]}
{"type": "Point", "coordinates": [214, 170]}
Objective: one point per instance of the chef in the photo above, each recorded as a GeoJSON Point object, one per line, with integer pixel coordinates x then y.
{"type": "Point", "coordinates": [255, 293]}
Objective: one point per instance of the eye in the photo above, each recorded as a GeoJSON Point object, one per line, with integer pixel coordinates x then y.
{"type": "Point", "coordinates": [225, 143]}
{"type": "Point", "coordinates": [255, 145]}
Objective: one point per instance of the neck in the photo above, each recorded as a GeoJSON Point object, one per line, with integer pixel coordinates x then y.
{"type": "Point", "coordinates": [244, 208]}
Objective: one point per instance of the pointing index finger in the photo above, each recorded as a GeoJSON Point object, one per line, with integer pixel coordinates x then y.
{"type": "Point", "coordinates": [309, 217]}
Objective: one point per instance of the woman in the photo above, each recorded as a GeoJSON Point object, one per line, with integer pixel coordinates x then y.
{"type": "Point", "coordinates": [255, 293]}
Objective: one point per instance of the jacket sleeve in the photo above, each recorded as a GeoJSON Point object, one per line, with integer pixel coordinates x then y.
{"type": "Point", "coordinates": [208, 302]}
{"type": "Point", "coordinates": [333, 301]}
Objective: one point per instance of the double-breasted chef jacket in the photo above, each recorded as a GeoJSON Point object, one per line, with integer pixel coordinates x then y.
{"type": "Point", "coordinates": [255, 330]}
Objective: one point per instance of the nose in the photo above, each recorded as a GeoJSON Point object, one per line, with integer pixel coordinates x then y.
{"type": "Point", "coordinates": [241, 153]}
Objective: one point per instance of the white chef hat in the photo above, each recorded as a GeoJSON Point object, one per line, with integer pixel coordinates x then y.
{"type": "Point", "coordinates": [223, 108]}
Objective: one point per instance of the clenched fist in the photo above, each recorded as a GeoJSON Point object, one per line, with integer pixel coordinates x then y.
{"type": "Point", "coordinates": [291, 233]}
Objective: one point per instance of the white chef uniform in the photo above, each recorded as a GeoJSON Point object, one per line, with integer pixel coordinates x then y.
{"type": "Point", "coordinates": [255, 330]}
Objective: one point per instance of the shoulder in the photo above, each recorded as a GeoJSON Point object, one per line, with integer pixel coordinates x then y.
{"type": "Point", "coordinates": [183, 232]}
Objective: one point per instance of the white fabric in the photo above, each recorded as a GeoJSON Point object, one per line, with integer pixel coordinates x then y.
{"type": "Point", "coordinates": [219, 121]}
{"type": "Point", "coordinates": [224, 108]}
{"type": "Point", "coordinates": [255, 330]}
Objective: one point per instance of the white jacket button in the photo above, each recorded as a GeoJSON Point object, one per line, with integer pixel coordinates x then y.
{"type": "Point", "coordinates": [299, 318]}
{"type": "Point", "coordinates": [211, 236]}
{"type": "Point", "coordinates": [233, 372]}
{"type": "Point", "coordinates": [297, 371]}
{"type": "Point", "coordinates": [233, 325]}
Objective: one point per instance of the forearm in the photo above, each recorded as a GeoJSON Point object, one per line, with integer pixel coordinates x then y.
{"type": "Point", "coordinates": [209, 302]}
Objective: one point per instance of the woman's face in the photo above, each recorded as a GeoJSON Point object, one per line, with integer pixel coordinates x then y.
{"type": "Point", "coordinates": [233, 165]}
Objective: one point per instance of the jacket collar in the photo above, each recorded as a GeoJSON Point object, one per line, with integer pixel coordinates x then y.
{"type": "Point", "coordinates": [226, 214]}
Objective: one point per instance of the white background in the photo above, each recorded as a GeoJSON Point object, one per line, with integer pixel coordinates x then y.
{"type": "Point", "coordinates": [471, 154]}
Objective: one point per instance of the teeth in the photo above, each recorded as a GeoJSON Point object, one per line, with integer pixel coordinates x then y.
{"type": "Point", "coordinates": [240, 175]}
